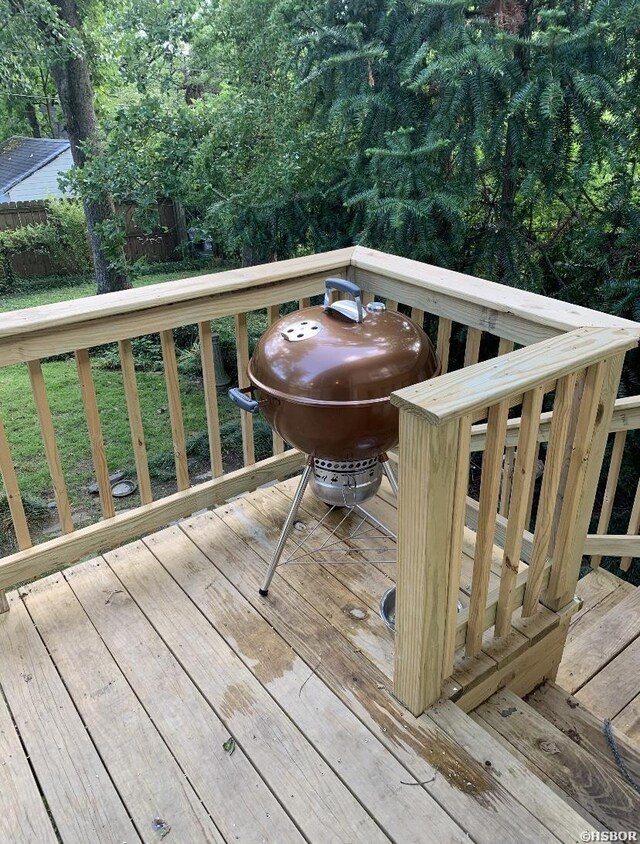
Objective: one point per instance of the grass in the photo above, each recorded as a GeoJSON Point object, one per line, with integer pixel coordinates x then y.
{"type": "Point", "coordinates": [72, 438]}
{"type": "Point", "coordinates": [40, 293]}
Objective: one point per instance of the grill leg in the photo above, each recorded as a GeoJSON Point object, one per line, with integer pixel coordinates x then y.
{"type": "Point", "coordinates": [386, 468]}
{"type": "Point", "coordinates": [297, 498]}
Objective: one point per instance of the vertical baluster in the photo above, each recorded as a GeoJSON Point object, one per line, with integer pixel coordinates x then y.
{"type": "Point", "coordinates": [619, 440]}
{"type": "Point", "coordinates": [417, 316]}
{"type": "Point", "coordinates": [634, 527]}
{"type": "Point", "coordinates": [367, 298]}
{"type": "Point", "coordinates": [175, 408]}
{"type": "Point", "coordinates": [391, 305]}
{"type": "Point", "coordinates": [596, 408]}
{"type": "Point", "coordinates": [558, 435]}
{"type": "Point", "coordinates": [523, 480]}
{"type": "Point", "coordinates": [305, 302]}
{"type": "Point", "coordinates": [127, 366]}
{"type": "Point", "coordinates": [504, 346]}
{"type": "Point", "coordinates": [50, 447]}
{"type": "Point", "coordinates": [12, 490]}
{"type": "Point", "coordinates": [458, 516]}
{"type": "Point", "coordinates": [246, 419]}
{"type": "Point", "coordinates": [210, 398]}
{"type": "Point", "coordinates": [443, 343]}
{"type": "Point", "coordinates": [507, 479]}
{"type": "Point", "coordinates": [489, 488]}
{"type": "Point", "coordinates": [472, 349]}
{"type": "Point", "coordinates": [273, 315]}
{"type": "Point", "coordinates": [96, 440]}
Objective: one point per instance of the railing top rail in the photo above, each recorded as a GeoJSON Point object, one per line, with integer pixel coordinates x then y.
{"type": "Point", "coordinates": [45, 317]}
{"type": "Point", "coordinates": [474, 388]}
{"type": "Point", "coordinates": [557, 315]}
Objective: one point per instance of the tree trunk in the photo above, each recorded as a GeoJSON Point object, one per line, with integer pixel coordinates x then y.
{"type": "Point", "coordinates": [71, 76]}
{"type": "Point", "coordinates": [32, 119]}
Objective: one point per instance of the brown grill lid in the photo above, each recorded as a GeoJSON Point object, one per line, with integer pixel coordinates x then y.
{"type": "Point", "coordinates": [325, 355]}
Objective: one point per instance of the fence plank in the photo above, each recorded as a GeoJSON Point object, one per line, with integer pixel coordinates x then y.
{"type": "Point", "coordinates": [210, 398]}
{"type": "Point", "coordinates": [96, 440]}
{"type": "Point", "coordinates": [127, 366]}
{"type": "Point", "coordinates": [175, 408]}
{"type": "Point", "coordinates": [50, 447]}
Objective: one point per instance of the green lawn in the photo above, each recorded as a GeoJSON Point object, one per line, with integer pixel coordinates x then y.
{"type": "Point", "coordinates": [44, 296]}
{"type": "Point", "coordinates": [18, 413]}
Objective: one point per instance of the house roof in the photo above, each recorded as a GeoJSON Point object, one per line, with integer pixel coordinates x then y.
{"type": "Point", "coordinates": [20, 157]}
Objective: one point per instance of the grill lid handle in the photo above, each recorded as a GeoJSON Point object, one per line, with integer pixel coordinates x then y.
{"type": "Point", "coordinates": [345, 308]}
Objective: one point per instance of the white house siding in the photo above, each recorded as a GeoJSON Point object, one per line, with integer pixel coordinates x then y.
{"type": "Point", "coordinates": [44, 182]}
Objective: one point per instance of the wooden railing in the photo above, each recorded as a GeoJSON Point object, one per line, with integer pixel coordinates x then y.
{"type": "Point", "coordinates": [571, 363]}
{"type": "Point", "coordinates": [582, 368]}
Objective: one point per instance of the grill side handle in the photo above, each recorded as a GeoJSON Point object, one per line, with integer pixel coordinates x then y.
{"type": "Point", "coordinates": [244, 402]}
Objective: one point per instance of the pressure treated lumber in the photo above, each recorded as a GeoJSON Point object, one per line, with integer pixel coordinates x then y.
{"type": "Point", "coordinates": [273, 315]}
{"type": "Point", "coordinates": [12, 491]}
{"type": "Point", "coordinates": [96, 440]}
{"type": "Point", "coordinates": [174, 401]}
{"type": "Point", "coordinates": [633, 529]}
{"type": "Point", "coordinates": [23, 816]}
{"type": "Point", "coordinates": [427, 470]}
{"type": "Point", "coordinates": [246, 419]}
{"type": "Point", "coordinates": [210, 398]}
{"type": "Point", "coordinates": [232, 791]}
{"type": "Point", "coordinates": [611, 487]}
{"type": "Point", "coordinates": [303, 783]}
{"type": "Point", "coordinates": [433, 759]}
{"type": "Point", "coordinates": [79, 792]}
{"type": "Point", "coordinates": [129, 525]}
{"type": "Point", "coordinates": [407, 814]}
{"type": "Point", "coordinates": [604, 794]}
{"type": "Point", "coordinates": [469, 390]}
{"type": "Point", "coordinates": [135, 755]}
{"type": "Point", "coordinates": [127, 366]}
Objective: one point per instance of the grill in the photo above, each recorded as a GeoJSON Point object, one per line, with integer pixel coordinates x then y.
{"type": "Point", "coordinates": [322, 377]}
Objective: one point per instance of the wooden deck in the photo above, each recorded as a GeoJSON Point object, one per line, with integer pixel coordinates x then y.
{"type": "Point", "coordinates": [152, 694]}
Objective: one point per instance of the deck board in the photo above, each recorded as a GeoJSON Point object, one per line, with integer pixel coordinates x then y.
{"type": "Point", "coordinates": [143, 662]}
{"type": "Point", "coordinates": [81, 797]}
{"type": "Point", "coordinates": [138, 760]}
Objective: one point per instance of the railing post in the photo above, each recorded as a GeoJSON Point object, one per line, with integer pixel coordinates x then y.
{"type": "Point", "coordinates": [428, 461]}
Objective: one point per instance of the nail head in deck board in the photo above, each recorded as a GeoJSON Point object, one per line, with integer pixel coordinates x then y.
{"type": "Point", "coordinates": [23, 816]}
{"type": "Point", "coordinates": [305, 785]}
{"type": "Point", "coordinates": [424, 749]}
{"type": "Point", "coordinates": [582, 726]}
{"type": "Point", "coordinates": [234, 794]}
{"type": "Point", "coordinates": [525, 786]}
{"type": "Point", "coordinates": [368, 769]}
{"type": "Point", "coordinates": [78, 790]}
{"type": "Point", "coordinates": [599, 643]}
{"type": "Point", "coordinates": [606, 796]}
{"type": "Point", "coordinates": [141, 767]}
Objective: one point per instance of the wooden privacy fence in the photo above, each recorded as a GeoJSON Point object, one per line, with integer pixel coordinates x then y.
{"type": "Point", "coordinates": [159, 245]}
{"type": "Point", "coordinates": [573, 356]}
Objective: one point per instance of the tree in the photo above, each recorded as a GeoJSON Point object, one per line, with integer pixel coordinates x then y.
{"type": "Point", "coordinates": [56, 27]}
